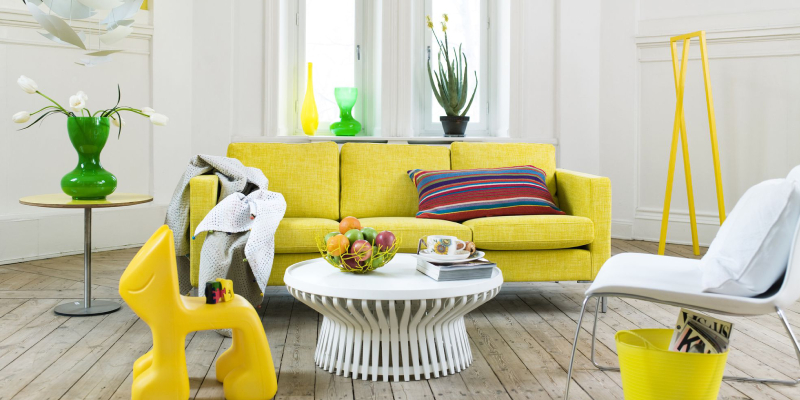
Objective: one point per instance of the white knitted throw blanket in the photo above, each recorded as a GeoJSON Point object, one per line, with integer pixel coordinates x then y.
{"type": "Point", "coordinates": [240, 248]}
{"type": "Point", "coordinates": [240, 244]}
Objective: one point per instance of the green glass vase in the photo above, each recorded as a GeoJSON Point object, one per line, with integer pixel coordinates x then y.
{"type": "Point", "coordinates": [346, 99]}
{"type": "Point", "coordinates": [88, 181]}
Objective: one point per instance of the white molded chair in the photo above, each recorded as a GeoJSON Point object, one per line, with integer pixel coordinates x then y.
{"type": "Point", "coordinates": [678, 282]}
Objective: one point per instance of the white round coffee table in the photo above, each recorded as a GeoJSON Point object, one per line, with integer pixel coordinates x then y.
{"type": "Point", "coordinates": [394, 321]}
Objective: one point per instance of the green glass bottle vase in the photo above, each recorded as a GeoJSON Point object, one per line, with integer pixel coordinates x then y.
{"type": "Point", "coordinates": [346, 99]}
{"type": "Point", "coordinates": [88, 181]}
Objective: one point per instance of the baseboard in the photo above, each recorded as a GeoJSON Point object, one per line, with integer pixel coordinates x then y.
{"type": "Point", "coordinates": [647, 226]}
{"type": "Point", "coordinates": [69, 253]}
{"type": "Point", "coordinates": [621, 229]}
{"type": "Point", "coordinates": [59, 233]}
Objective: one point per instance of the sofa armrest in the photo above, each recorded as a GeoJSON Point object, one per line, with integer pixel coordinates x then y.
{"type": "Point", "coordinates": [203, 193]}
{"type": "Point", "coordinates": [588, 196]}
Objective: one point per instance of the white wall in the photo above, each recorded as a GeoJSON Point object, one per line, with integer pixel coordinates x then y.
{"type": "Point", "coordinates": [754, 53]}
{"type": "Point", "coordinates": [553, 74]}
{"type": "Point", "coordinates": [594, 77]}
{"type": "Point", "coordinates": [578, 85]}
{"type": "Point", "coordinates": [618, 107]}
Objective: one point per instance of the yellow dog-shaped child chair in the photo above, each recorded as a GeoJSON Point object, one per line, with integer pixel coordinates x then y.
{"type": "Point", "coordinates": [150, 287]}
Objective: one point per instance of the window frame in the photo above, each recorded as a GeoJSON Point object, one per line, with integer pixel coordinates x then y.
{"type": "Point", "coordinates": [427, 127]}
{"type": "Point", "coordinates": [301, 65]}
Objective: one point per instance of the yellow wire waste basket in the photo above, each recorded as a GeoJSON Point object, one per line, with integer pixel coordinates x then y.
{"type": "Point", "coordinates": [650, 371]}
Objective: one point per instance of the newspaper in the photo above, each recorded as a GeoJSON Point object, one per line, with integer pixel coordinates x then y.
{"type": "Point", "coordinates": [699, 333]}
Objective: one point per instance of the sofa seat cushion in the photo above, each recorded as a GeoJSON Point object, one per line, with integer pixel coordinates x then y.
{"type": "Point", "coordinates": [531, 232]}
{"type": "Point", "coordinates": [299, 235]}
{"type": "Point", "coordinates": [410, 230]}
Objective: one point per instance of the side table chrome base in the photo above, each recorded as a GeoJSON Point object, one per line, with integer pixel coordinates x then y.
{"type": "Point", "coordinates": [87, 307]}
{"type": "Point", "coordinates": [77, 309]}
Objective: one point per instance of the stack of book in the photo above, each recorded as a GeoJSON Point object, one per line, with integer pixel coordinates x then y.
{"type": "Point", "coordinates": [699, 333]}
{"type": "Point", "coordinates": [456, 271]}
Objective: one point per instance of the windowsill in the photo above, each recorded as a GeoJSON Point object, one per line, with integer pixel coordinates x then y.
{"type": "Point", "coordinates": [390, 140]}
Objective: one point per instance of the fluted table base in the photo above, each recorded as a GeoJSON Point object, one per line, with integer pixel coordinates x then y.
{"type": "Point", "coordinates": [408, 339]}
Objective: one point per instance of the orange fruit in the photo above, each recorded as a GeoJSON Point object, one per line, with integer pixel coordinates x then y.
{"type": "Point", "coordinates": [349, 223]}
{"type": "Point", "coordinates": [338, 245]}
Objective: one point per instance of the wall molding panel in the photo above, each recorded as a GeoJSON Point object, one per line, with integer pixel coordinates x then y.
{"type": "Point", "coordinates": [721, 25]}
{"type": "Point", "coordinates": [755, 96]}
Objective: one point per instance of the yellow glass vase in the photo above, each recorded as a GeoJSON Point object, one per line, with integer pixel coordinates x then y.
{"type": "Point", "coordinates": [308, 114]}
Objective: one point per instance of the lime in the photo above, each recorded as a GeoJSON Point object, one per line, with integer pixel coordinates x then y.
{"type": "Point", "coordinates": [330, 235]}
{"type": "Point", "coordinates": [334, 260]}
{"type": "Point", "coordinates": [377, 261]}
{"type": "Point", "coordinates": [354, 234]}
{"type": "Point", "coordinates": [369, 234]}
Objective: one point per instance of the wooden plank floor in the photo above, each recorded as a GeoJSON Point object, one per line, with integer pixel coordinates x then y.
{"type": "Point", "coordinates": [521, 342]}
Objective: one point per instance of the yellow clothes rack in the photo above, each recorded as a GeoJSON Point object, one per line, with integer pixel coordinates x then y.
{"type": "Point", "coordinates": [679, 129]}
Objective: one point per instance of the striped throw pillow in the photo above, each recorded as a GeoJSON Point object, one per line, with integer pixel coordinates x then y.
{"type": "Point", "coordinates": [459, 195]}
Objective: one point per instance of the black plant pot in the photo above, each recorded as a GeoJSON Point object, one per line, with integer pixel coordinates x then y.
{"type": "Point", "coordinates": [454, 126]}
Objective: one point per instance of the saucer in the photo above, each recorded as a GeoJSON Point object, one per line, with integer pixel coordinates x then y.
{"type": "Point", "coordinates": [437, 258]}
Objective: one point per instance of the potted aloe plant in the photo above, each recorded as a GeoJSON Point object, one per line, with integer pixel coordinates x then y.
{"type": "Point", "coordinates": [450, 84]}
{"type": "Point", "coordinates": [88, 133]}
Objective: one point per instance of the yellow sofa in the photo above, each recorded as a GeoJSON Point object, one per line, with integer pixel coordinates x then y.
{"type": "Point", "coordinates": [322, 184]}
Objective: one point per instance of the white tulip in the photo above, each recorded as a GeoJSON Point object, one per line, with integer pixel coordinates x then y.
{"type": "Point", "coordinates": [118, 123]}
{"type": "Point", "coordinates": [147, 111]}
{"type": "Point", "coordinates": [82, 95]}
{"type": "Point", "coordinates": [159, 119]}
{"type": "Point", "coordinates": [21, 117]}
{"type": "Point", "coordinates": [77, 103]}
{"type": "Point", "coordinates": [27, 84]}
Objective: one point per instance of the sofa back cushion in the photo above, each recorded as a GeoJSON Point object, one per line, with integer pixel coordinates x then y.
{"type": "Point", "coordinates": [375, 177]}
{"type": "Point", "coordinates": [496, 155]}
{"type": "Point", "coordinates": [306, 174]}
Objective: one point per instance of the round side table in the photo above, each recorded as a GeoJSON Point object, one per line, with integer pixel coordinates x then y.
{"type": "Point", "coordinates": [88, 306]}
{"type": "Point", "coordinates": [393, 321]}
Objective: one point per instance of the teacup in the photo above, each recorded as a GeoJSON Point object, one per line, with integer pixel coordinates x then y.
{"type": "Point", "coordinates": [443, 245]}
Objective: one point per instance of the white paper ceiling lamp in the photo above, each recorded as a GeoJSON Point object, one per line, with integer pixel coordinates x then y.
{"type": "Point", "coordinates": [119, 33]}
{"type": "Point", "coordinates": [70, 9]}
{"type": "Point", "coordinates": [101, 4]}
{"type": "Point", "coordinates": [114, 26]}
{"type": "Point", "coordinates": [122, 13]}
{"type": "Point", "coordinates": [55, 26]}
{"type": "Point", "coordinates": [102, 53]}
{"type": "Point", "coordinates": [50, 36]}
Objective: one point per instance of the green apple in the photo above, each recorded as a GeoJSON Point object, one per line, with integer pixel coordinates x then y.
{"type": "Point", "coordinates": [354, 234]}
{"type": "Point", "coordinates": [369, 234]}
{"type": "Point", "coordinates": [377, 261]}
{"type": "Point", "coordinates": [330, 235]}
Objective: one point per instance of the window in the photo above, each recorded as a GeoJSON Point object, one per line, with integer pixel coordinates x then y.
{"type": "Point", "coordinates": [329, 38]}
{"type": "Point", "coordinates": [468, 25]}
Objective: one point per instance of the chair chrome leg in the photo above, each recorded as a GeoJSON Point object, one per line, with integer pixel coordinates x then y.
{"type": "Point", "coordinates": [790, 332]}
{"type": "Point", "coordinates": [603, 305]}
{"type": "Point", "coordinates": [575, 347]}
{"type": "Point", "coordinates": [793, 338]}
{"type": "Point", "coordinates": [594, 339]}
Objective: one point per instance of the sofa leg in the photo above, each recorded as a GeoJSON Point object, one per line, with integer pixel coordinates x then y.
{"type": "Point", "coordinates": [603, 304]}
